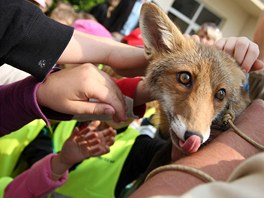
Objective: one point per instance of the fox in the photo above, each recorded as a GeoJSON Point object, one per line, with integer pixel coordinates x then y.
{"type": "Point", "coordinates": [194, 84]}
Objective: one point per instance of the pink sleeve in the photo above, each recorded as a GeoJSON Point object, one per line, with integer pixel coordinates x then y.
{"type": "Point", "coordinates": [35, 182]}
{"type": "Point", "coordinates": [128, 87]}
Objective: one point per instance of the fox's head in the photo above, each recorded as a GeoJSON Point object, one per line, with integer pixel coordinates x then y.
{"type": "Point", "coordinates": [195, 84]}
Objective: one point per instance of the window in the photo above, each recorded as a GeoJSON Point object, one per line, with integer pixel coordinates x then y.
{"type": "Point", "coordinates": [189, 15]}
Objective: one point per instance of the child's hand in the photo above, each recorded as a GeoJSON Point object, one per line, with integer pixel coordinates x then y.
{"type": "Point", "coordinates": [85, 143]}
{"type": "Point", "coordinates": [243, 50]}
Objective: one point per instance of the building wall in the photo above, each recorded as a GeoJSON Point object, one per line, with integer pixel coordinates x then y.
{"type": "Point", "coordinates": [237, 21]}
{"type": "Point", "coordinates": [164, 4]}
{"type": "Point", "coordinates": [249, 27]}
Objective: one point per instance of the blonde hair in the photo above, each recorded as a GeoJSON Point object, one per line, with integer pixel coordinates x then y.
{"type": "Point", "coordinates": [64, 13]}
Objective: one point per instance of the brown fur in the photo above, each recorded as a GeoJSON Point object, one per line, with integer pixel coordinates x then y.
{"type": "Point", "coordinates": [193, 106]}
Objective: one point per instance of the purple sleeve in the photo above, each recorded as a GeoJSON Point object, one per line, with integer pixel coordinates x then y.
{"type": "Point", "coordinates": [26, 185]}
{"type": "Point", "coordinates": [19, 106]}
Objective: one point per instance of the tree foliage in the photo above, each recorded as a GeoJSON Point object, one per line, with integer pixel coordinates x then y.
{"type": "Point", "coordinates": [79, 5]}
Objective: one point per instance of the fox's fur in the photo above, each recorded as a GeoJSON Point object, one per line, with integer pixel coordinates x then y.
{"type": "Point", "coordinates": [195, 84]}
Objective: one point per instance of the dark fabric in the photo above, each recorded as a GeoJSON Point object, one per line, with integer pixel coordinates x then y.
{"type": "Point", "coordinates": [54, 115]}
{"type": "Point", "coordinates": [99, 12]}
{"type": "Point", "coordinates": [29, 40]}
{"type": "Point", "coordinates": [39, 148]}
{"type": "Point", "coordinates": [138, 160]}
{"type": "Point", "coordinates": [147, 121]}
{"type": "Point", "coordinates": [120, 15]}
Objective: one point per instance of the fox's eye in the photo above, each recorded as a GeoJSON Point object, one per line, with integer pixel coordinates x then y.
{"type": "Point", "coordinates": [220, 95]}
{"type": "Point", "coordinates": [184, 78]}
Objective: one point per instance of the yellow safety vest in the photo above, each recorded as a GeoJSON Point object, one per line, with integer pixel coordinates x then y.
{"type": "Point", "coordinates": [96, 177]}
{"type": "Point", "coordinates": [11, 147]}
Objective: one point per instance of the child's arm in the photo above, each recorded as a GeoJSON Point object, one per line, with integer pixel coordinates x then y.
{"type": "Point", "coordinates": [26, 185]}
{"type": "Point", "coordinates": [82, 144]}
{"type": "Point", "coordinates": [51, 172]}
{"type": "Point", "coordinates": [126, 60]}
{"type": "Point", "coordinates": [34, 43]}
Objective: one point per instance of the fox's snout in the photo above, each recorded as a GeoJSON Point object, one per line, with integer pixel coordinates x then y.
{"type": "Point", "coordinates": [185, 138]}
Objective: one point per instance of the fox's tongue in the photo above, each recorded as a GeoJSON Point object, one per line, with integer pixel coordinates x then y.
{"type": "Point", "coordinates": [191, 145]}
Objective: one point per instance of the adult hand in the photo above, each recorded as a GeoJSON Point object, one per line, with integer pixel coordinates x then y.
{"type": "Point", "coordinates": [243, 50]}
{"type": "Point", "coordinates": [71, 90]}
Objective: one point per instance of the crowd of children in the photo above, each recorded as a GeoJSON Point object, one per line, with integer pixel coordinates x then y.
{"type": "Point", "coordinates": [41, 156]}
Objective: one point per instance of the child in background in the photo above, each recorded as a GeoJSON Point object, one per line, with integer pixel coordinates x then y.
{"type": "Point", "coordinates": [84, 22]}
{"type": "Point", "coordinates": [209, 33]}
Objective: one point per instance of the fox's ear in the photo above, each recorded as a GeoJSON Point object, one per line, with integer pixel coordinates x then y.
{"type": "Point", "coordinates": [159, 33]}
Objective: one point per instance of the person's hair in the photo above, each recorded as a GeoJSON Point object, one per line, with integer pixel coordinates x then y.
{"type": "Point", "coordinates": [64, 13]}
{"type": "Point", "coordinates": [211, 29]}
{"type": "Point", "coordinates": [112, 4]}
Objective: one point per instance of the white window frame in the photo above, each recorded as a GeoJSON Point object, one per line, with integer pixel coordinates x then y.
{"type": "Point", "coordinates": [191, 22]}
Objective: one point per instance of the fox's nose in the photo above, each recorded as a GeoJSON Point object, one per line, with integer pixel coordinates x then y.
{"type": "Point", "coordinates": [191, 133]}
